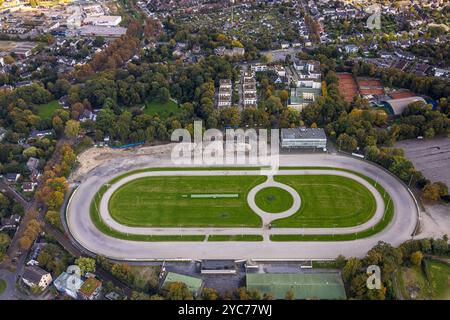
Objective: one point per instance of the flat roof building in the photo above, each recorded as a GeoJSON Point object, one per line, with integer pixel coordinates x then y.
{"type": "Point", "coordinates": [104, 31]}
{"type": "Point", "coordinates": [110, 21]}
{"type": "Point", "coordinates": [218, 267]}
{"type": "Point", "coordinates": [303, 138]}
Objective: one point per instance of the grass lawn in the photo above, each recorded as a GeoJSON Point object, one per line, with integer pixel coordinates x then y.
{"type": "Point", "coordinates": [2, 286]}
{"type": "Point", "coordinates": [46, 111]}
{"type": "Point", "coordinates": [243, 237]}
{"type": "Point", "coordinates": [328, 201]}
{"type": "Point", "coordinates": [387, 218]}
{"type": "Point", "coordinates": [274, 200]}
{"type": "Point", "coordinates": [413, 283]}
{"type": "Point", "coordinates": [163, 110]}
{"type": "Point", "coordinates": [439, 273]}
{"type": "Point", "coordinates": [166, 202]}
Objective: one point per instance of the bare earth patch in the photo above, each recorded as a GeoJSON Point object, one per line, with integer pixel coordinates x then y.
{"type": "Point", "coordinates": [94, 157]}
{"type": "Point", "coordinates": [435, 222]}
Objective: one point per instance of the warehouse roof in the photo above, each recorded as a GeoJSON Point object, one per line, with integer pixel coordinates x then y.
{"type": "Point", "coordinates": [327, 286]}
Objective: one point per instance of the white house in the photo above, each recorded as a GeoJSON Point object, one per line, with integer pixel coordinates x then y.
{"type": "Point", "coordinates": [35, 276]}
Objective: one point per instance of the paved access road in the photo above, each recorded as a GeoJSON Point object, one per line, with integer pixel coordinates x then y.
{"type": "Point", "coordinates": [86, 234]}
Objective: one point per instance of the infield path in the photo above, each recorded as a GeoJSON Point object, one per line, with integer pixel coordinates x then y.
{"type": "Point", "coordinates": [87, 235]}
{"type": "Point", "coordinates": [266, 217]}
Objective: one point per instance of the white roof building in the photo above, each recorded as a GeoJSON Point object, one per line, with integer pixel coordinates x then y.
{"type": "Point", "coordinates": [109, 21]}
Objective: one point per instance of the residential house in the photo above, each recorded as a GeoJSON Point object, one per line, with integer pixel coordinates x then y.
{"type": "Point", "coordinates": [2, 133]}
{"type": "Point", "coordinates": [12, 177]}
{"type": "Point", "coordinates": [249, 92]}
{"type": "Point", "coordinates": [35, 276]}
{"type": "Point", "coordinates": [68, 284]}
{"type": "Point", "coordinates": [38, 134]}
{"type": "Point", "coordinates": [90, 290]}
{"type": "Point", "coordinates": [351, 48]}
{"type": "Point", "coordinates": [32, 164]}
{"type": "Point", "coordinates": [259, 67]}
{"type": "Point", "coordinates": [10, 223]}
{"type": "Point", "coordinates": [285, 45]}
{"type": "Point", "coordinates": [28, 186]}
{"type": "Point", "coordinates": [225, 93]}
{"type": "Point", "coordinates": [34, 176]}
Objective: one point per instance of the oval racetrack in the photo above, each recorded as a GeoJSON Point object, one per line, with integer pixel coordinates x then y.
{"type": "Point", "coordinates": [88, 236]}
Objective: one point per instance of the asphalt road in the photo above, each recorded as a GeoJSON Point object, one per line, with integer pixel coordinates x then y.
{"type": "Point", "coordinates": [86, 234]}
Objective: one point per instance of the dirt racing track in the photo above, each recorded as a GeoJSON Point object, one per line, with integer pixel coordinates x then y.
{"type": "Point", "coordinates": [85, 233]}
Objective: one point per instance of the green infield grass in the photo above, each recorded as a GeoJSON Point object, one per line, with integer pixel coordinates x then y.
{"type": "Point", "coordinates": [328, 201]}
{"type": "Point", "coordinates": [239, 237]}
{"type": "Point", "coordinates": [274, 200]}
{"type": "Point", "coordinates": [166, 202]}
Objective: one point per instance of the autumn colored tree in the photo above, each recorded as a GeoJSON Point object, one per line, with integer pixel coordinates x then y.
{"type": "Point", "coordinates": [416, 258]}
{"type": "Point", "coordinates": [178, 291]}
{"type": "Point", "coordinates": [30, 234]}
{"type": "Point", "coordinates": [209, 294]}
{"type": "Point", "coordinates": [72, 129]}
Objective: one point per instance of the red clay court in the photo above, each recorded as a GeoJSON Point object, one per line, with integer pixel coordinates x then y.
{"type": "Point", "coordinates": [400, 94]}
{"type": "Point", "coordinates": [370, 86]}
{"type": "Point", "coordinates": [347, 86]}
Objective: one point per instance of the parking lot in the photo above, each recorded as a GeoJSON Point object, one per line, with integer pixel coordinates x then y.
{"type": "Point", "coordinates": [432, 157]}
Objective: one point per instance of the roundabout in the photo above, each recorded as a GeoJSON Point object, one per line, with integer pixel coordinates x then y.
{"type": "Point", "coordinates": [247, 205]}
{"type": "Point", "coordinates": [265, 196]}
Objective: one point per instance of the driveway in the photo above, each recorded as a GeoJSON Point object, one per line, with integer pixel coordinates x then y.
{"type": "Point", "coordinates": [10, 278]}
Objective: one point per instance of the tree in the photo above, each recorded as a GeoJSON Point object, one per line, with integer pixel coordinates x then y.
{"type": "Point", "coordinates": [416, 258]}
{"type": "Point", "coordinates": [122, 271]}
{"type": "Point", "coordinates": [25, 243]}
{"type": "Point", "coordinates": [85, 264]}
{"type": "Point", "coordinates": [5, 240]}
{"type": "Point", "coordinates": [178, 291]}
{"type": "Point", "coordinates": [30, 234]}
{"type": "Point", "coordinates": [290, 295]}
{"type": "Point", "coordinates": [340, 261]}
{"type": "Point", "coordinates": [440, 246]}
{"type": "Point", "coordinates": [209, 294]}
{"type": "Point", "coordinates": [54, 218]}
{"type": "Point", "coordinates": [163, 95]}
{"type": "Point", "coordinates": [350, 269]}
{"type": "Point", "coordinates": [346, 142]}
{"type": "Point", "coordinates": [30, 152]}
{"type": "Point", "coordinates": [431, 192]}
{"type": "Point", "coordinates": [72, 129]}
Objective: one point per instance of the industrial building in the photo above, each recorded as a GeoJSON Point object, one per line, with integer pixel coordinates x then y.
{"type": "Point", "coordinates": [108, 21]}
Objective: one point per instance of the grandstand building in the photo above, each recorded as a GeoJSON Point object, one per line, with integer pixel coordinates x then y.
{"type": "Point", "coordinates": [304, 138]}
